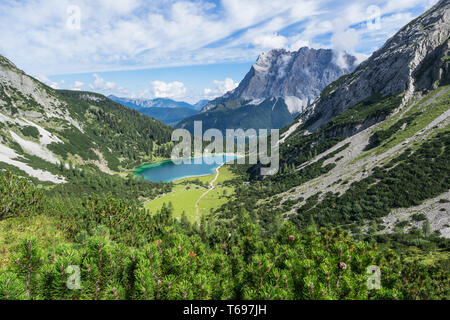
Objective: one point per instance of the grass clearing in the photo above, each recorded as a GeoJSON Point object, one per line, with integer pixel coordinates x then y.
{"type": "Point", "coordinates": [215, 199]}
{"type": "Point", "coordinates": [14, 230]}
{"type": "Point", "coordinates": [186, 193]}
{"type": "Point", "coordinates": [183, 198]}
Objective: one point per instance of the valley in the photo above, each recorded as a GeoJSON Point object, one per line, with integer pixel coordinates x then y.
{"type": "Point", "coordinates": [194, 197]}
{"type": "Point", "coordinates": [363, 181]}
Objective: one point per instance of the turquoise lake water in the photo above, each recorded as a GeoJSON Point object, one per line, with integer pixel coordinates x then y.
{"type": "Point", "coordinates": [167, 171]}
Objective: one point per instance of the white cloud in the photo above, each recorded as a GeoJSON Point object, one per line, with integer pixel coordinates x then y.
{"type": "Point", "coordinates": [102, 85]}
{"type": "Point", "coordinates": [107, 87]}
{"type": "Point", "coordinates": [121, 7]}
{"type": "Point", "coordinates": [133, 34]}
{"type": "Point", "coordinates": [53, 84]}
{"type": "Point", "coordinates": [220, 88]}
{"type": "Point", "coordinates": [273, 41]}
{"type": "Point", "coordinates": [298, 43]}
{"type": "Point", "coordinates": [77, 85]}
{"type": "Point", "coordinates": [140, 95]}
{"type": "Point", "coordinates": [172, 90]}
{"type": "Point", "coordinates": [344, 41]}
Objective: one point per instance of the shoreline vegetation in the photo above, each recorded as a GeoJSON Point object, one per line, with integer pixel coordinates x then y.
{"type": "Point", "coordinates": [138, 171]}
{"type": "Point", "coordinates": [194, 197]}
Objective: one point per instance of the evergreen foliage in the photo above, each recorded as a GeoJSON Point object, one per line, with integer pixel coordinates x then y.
{"type": "Point", "coordinates": [18, 197]}
{"type": "Point", "coordinates": [124, 252]}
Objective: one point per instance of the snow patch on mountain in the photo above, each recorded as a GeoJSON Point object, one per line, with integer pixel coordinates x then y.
{"type": "Point", "coordinates": [46, 137]}
{"type": "Point", "coordinates": [35, 149]}
{"type": "Point", "coordinates": [7, 155]}
{"type": "Point", "coordinates": [295, 105]}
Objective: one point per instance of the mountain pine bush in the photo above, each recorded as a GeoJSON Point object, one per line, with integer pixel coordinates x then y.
{"type": "Point", "coordinates": [120, 251]}
{"type": "Point", "coordinates": [18, 197]}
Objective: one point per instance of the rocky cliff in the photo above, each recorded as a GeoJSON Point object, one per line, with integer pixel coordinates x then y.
{"type": "Point", "coordinates": [415, 59]}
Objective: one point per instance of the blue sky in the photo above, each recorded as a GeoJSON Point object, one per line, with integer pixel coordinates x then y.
{"type": "Point", "coordinates": [185, 50]}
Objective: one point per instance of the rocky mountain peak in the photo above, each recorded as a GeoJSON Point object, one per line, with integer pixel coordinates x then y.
{"type": "Point", "coordinates": [298, 77]}
{"type": "Point", "coordinates": [414, 59]}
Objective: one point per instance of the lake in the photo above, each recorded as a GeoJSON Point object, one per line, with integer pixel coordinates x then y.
{"type": "Point", "coordinates": [167, 171]}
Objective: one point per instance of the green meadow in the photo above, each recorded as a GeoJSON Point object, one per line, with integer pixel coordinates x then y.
{"type": "Point", "coordinates": [187, 192]}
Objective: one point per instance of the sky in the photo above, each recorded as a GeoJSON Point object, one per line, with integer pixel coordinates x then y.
{"type": "Point", "coordinates": [183, 50]}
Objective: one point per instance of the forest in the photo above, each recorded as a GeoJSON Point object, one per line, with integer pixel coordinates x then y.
{"type": "Point", "coordinates": [122, 251]}
{"type": "Point", "coordinates": [246, 249]}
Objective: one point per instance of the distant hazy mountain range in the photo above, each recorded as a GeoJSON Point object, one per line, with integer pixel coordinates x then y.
{"type": "Point", "coordinates": [166, 110]}
{"type": "Point", "coordinates": [279, 86]}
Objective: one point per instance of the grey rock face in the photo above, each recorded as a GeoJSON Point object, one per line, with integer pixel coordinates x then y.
{"type": "Point", "coordinates": [298, 77]}
{"type": "Point", "coordinates": [416, 58]}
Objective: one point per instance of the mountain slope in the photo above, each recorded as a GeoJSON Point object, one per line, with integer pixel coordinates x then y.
{"type": "Point", "coordinates": [295, 79]}
{"type": "Point", "coordinates": [42, 130]}
{"type": "Point", "coordinates": [271, 113]}
{"type": "Point", "coordinates": [166, 110]}
{"type": "Point", "coordinates": [199, 105]}
{"type": "Point", "coordinates": [375, 143]}
{"type": "Point", "coordinates": [170, 116]}
{"type": "Point", "coordinates": [412, 60]}
{"type": "Point", "coordinates": [151, 103]}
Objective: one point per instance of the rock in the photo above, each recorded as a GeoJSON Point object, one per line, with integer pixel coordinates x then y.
{"type": "Point", "coordinates": [297, 77]}
{"type": "Point", "coordinates": [414, 59]}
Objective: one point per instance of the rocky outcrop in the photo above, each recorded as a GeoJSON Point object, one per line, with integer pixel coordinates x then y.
{"type": "Point", "coordinates": [297, 77]}
{"type": "Point", "coordinates": [278, 87]}
{"type": "Point", "coordinates": [414, 59]}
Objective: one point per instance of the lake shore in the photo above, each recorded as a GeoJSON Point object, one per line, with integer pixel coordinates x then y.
{"type": "Point", "coordinates": [140, 170]}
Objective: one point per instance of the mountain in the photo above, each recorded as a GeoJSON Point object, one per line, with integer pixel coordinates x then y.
{"type": "Point", "coordinates": [166, 110]}
{"type": "Point", "coordinates": [43, 131]}
{"type": "Point", "coordinates": [170, 116]}
{"type": "Point", "coordinates": [151, 103]}
{"type": "Point", "coordinates": [297, 77]}
{"type": "Point", "coordinates": [199, 105]}
{"type": "Point", "coordinates": [372, 153]}
{"type": "Point", "coordinates": [276, 89]}
{"type": "Point", "coordinates": [413, 60]}
{"type": "Point", "coordinates": [359, 209]}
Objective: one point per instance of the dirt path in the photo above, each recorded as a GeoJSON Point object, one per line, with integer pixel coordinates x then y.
{"type": "Point", "coordinates": [211, 187]}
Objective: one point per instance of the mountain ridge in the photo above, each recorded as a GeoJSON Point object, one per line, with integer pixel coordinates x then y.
{"type": "Point", "coordinates": [152, 103]}
{"type": "Point", "coordinates": [43, 131]}
{"type": "Point", "coordinates": [294, 79]}
{"type": "Point", "coordinates": [360, 156]}
{"type": "Point", "coordinates": [397, 67]}
{"type": "Point", "coordinates": [166, 110]}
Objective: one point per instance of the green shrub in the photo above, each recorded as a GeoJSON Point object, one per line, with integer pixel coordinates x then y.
{"type": "Point", "coordinates": [30, 131]}
{"type": "Point", "coordinates": [19, 197]}
{"type": "Point", "coordinates": [418, 217]}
